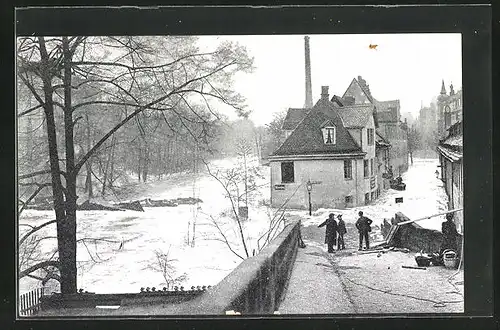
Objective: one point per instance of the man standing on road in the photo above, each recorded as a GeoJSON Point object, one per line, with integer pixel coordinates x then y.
{"type": "Point", "coordinates": [331, 232]}
{"type": "Point", "coordinates": [341, 230]}
{"type": "Point", "coordinates": [363, 226]}
{"type": "Point", "coordinates": [450, 234]}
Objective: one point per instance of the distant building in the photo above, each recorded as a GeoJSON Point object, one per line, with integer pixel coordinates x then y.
{"type": "Point", "coordinates": [427, 126]}
{"type": "Point", "coordinates": [449, 109]}
{"type": "Point", "coordinates": [334, 148]}
{"type": "Point", "coordinates": [450, 151]}
{"type": "Point", "coordinates": [382, 153]}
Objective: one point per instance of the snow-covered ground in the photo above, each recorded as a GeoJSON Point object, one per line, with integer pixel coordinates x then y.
{"type": "Point", "coordinates": [158, 229]}
{"type": "Point", "coordinates": [209, 261]}
{"type": "Point", "coordinates": [424, 196]}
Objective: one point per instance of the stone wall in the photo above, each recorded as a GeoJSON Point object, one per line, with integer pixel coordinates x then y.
{"type": "Point", "coordinates": [257, 285]}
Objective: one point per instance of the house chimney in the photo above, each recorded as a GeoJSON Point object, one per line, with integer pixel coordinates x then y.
{"type": "Point", "coordinates": [324, 93]}
{"type": "Point", "coordinates": [309, 102]}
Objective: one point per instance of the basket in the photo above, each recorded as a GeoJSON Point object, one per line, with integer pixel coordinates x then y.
{"type": "Point", "coordinates": [450, 259]}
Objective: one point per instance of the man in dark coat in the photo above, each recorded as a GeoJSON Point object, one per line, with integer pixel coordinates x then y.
{"type": "Point", "coordinates": [331, 232]}
{"type": "Point", "coordinates": [450, 234]}
{"type": "Point", "coordinates": [341, 230]}
{"type": "Point", "coordinates": [363, 226]}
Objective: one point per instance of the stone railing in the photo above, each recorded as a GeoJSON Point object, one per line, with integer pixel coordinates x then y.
{"type": "Point", "coordinates": [257, 285]}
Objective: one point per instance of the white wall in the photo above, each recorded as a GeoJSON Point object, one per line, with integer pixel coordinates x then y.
{"type": "Point", "coordinates": [329, 189]}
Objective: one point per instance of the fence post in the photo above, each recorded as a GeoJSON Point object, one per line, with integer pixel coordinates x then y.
{"type": "Point", "coordinates": [30, 302]}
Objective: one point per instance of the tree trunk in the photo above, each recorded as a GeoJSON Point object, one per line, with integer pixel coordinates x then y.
{"type": "Point", "coordinates": [105, 178]}
{"type": "Point", "coordinates": [88, 165]}
{"type": "Point", "coordinates": [246, 178]}
{"type": "Point", "coordinates": [145, 165]}
{"type": "Point", "coordinates": [69, 261]}
{"type": "Point", "coordinates": [112, 161]}
{"type": "Point", "coordinates": [139, 157]}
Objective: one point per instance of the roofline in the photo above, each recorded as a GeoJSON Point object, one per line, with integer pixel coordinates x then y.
{"type": "Point", "coordinates": [452, 156]}
{"type": "Point", "coordinates": [385, 145]}
{"type": "Point", "coordinates": [352, 81]}
{"type": "Point", "coordinates": [316, 156]}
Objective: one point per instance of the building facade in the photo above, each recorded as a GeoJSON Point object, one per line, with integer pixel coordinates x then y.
{"type": "Point", "coordinates": [334, 148]}
{"type": "Point", "coordinates": [388, 122]}
{"type": "Point", "coordinates": [450, 151]}
{"type": "Point", "coordinates": [449, 109]}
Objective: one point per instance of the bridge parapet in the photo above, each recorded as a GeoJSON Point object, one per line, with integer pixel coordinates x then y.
{"type": "Point", "coordinates": [257, 285]}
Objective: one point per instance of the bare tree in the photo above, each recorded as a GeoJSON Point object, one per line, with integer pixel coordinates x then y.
{"type": "Point", "coordinates": [239, 184]}
{"type": "Point", "coordinates": [131, 75]}
{"type": "Point", "coordinates": [165, 265]}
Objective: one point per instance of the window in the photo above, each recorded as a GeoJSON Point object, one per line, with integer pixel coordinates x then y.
{"type": "Point", "coordinates": [371, 166]}
{"type": "Point", "coordinates": [365, 168]}
{"type": "Point", "coordinates": [371, 137]}
{"type": "Point", "coordinates": [287, 172]}
{"type": "Point", "coordinates": [348, 199]}
{"type": "Point", "coordinates": [373, 195]}
{"type": "Point", "coordinates": [348, 169]}
{"type": "Point", "coordinates": [367, 198]}
{"type": "Point", "coordinates": [329, 135]}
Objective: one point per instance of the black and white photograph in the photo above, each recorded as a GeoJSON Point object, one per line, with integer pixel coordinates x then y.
{"type": "Point", "coordinates": [278, 174]}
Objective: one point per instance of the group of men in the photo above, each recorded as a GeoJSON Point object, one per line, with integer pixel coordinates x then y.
{"type": "Point", "coordinates": [363, 224]}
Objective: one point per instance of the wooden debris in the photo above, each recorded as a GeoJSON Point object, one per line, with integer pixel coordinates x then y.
{"type": "Point", "coordinates": [134, 206]}
{"type": "Point", "coordinates": [88, 206]}
{"type": "Point", "coordinates": [412, 267]}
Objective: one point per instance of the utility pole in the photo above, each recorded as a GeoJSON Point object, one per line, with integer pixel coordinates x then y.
{"type": "Point", "coordinates": [309, 188]}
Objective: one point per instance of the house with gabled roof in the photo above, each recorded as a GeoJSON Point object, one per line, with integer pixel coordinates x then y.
{"type": "Point", "coordinates": [333, 148]}
{"type": "Point", "coordinates": [388, 121]}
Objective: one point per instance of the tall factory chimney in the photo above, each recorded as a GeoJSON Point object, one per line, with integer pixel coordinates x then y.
{"type": "Point", "coordinates": [309, 102]}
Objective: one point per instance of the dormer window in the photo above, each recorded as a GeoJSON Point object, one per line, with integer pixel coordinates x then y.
{"type": "Point", "coordinates": [329, 136]}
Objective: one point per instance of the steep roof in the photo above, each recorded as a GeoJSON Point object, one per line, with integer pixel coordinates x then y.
{"type": "Point", "coordinates": [454, 140]}
{"type": "Point", "coordinates": [362, 87]}
{"type": "Point", "coordinates": [307, 138]}
{"type": "Point", "coordinates": [386, 105]}
{"type": "Point", "coordinates": [386, 116]}
{"type": "Point", "coordinates": [449, 153]}
{"type": "Point", "coordinates": [356, 115]}
{"type": "Point", "coordinates": [293, 118]}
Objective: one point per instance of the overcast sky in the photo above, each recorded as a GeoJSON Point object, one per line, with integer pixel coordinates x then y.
{"type": "Point", "coordinates": [408, 67]}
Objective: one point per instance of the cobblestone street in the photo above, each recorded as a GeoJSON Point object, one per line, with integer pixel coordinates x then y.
{"type": "Point", "coordinates": [351, 282]}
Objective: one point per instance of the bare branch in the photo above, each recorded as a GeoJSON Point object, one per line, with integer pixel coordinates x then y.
{"type": "Point", "coordinates": [30, 110]}
{"type": "Point", "coordinates": [136, 112]}
{"type": "Point", "coordinates": [224, 238]}
{"type": "Point", "coordinates": [34, 230]}
{"type": "Point", "coordinates": [30, 175]}
{"type": "Point", "coordinates": [233, 207]}
{"type": "Point", "coordinates": [132, 68]}
{"type": "Point", "coordinates": [37, 191]}
{"type": "Point", "coordinates": [40, 265]}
